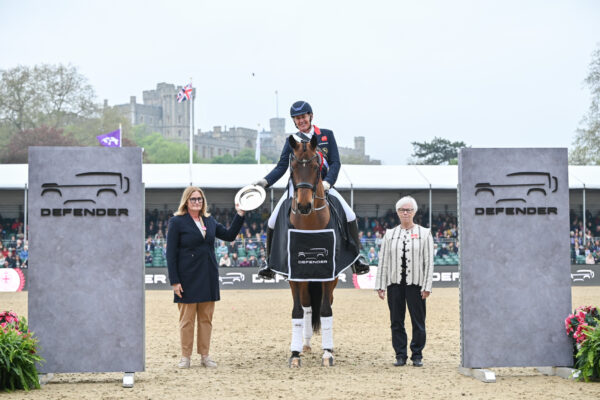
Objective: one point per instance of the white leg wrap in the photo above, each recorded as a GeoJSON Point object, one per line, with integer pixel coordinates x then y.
{"type": "Point", "coordinates": [297, 324]}
{"type": "Point", "coordinates": [307, 331]}
{"type": "Point", "coordinates": [327, 332]}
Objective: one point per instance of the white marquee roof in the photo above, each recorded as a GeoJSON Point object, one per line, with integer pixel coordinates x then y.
{"type": "Point", "coordinates": [234, 176]}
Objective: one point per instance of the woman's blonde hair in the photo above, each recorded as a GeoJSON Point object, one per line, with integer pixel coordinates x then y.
{"type": "Point", "coordinates": [187, 193]}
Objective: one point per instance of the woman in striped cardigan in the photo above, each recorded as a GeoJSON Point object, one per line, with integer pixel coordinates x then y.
{"type": "Point", "coordinates": [406, 273]}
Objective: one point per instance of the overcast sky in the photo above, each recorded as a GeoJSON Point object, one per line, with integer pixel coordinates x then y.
{"type": "Point", "coordinates": [505, 73]}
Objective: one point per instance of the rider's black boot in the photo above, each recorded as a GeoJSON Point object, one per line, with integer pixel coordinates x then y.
{"type": "Point", "coordinates": [360, 266]}
{"type": "Point", "coordinates": [263, 270]}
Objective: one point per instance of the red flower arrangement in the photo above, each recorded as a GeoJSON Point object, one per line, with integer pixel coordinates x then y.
{"type": "Point", "coordinates": [576, 323]}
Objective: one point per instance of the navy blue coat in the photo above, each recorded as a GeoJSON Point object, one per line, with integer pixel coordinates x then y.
{"type": "Point", "coordinates": [191, 258]}
{"type": "Point", "coordinates": [326, 144]}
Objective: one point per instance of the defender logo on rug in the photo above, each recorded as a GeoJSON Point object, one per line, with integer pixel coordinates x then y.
{"type": "Point", "coordinates": [311, 255]}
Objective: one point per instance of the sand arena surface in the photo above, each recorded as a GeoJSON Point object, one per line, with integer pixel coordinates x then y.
{"type": "Point", "coordinates": [251, 334]}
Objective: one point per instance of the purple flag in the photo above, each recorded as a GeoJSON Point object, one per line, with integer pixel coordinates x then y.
{"type": "Point", "coordinates": [112, 139]}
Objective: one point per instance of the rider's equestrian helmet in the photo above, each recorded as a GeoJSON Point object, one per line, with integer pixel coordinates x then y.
{"type": "Point", "coordinates": [300, 108]}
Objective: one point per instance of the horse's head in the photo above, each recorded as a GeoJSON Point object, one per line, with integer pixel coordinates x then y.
{"type": "Point", "coordinates": [305, 171]}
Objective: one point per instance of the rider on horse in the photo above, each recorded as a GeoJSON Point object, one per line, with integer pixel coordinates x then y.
{"type": "Point", "coordinates": [301, 113]}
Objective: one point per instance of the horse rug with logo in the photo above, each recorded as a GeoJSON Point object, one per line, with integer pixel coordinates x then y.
{"type": "Point", "coordinates": [312, 255]}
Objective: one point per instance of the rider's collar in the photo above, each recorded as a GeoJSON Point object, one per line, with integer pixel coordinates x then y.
{"type": "Point", "coordinates": [309, 134]}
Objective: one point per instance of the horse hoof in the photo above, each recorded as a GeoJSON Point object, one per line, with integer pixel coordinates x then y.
{"type": "Point", "coordinates": [306, 349]}
{"type": "Point", "coordinates": [327, 360]}
{"type": "Point", "coordinates": [295, 362]}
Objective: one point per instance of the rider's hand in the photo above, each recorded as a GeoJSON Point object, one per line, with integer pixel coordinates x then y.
{"type": "Point", "coordinates": [326, 186]}
{"type": "Point", "coordinates": [261, 182]}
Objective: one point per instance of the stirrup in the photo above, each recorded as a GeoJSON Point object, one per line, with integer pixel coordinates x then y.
{"type": "Point", "coordinates": [266, 273]}
{"type": "Point", "coordinates": [360, 267]}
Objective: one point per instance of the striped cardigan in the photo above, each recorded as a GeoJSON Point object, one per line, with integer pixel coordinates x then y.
{"type": "Point", "coordinates": [419, 258]}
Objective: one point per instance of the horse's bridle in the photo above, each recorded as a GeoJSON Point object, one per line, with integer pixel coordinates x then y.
{"type": "Point", "coordinates": [307, 185]}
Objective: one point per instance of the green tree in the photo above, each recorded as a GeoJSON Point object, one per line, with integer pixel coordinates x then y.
{"type": "Point", "coordinates": [586, 146]}
{"type": "Point", "coordinates": [107, 120]}
{"type": "Point", "coordinates": [159, 150]}
{"type": "Point", "coordinates": [52, 95]}
{"type": "Point", "coordinates": [17, 150]}
{"type": "Point", "coordinates": [437, 152]}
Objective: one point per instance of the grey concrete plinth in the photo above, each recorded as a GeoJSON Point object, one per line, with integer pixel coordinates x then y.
{"type": "Point", "coordinates": [515, 283]}
{"type": "Point", "coordinates": [563, 372]}
{"type": "Point", "coordinates": [483, 375]}
{"type": "Point", "coordinates": [86, 261]}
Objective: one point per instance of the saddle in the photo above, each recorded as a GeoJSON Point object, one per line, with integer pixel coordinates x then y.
{"type": "Point", "coordinates": [312, 255]}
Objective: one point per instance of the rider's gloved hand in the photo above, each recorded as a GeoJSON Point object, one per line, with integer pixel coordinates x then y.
{"type": "Point", "coordinates": [326, 186]}
{"type": "Point", "coordinates": [261, 182]}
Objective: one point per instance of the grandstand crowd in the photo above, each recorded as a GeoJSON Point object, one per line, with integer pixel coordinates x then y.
{"type": "Point", "coordinates": [248, 250]}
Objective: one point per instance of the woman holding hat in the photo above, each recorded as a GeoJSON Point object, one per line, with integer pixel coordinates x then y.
{"type": "Point", "coordinates": [194, 271]}
{"type": "Point", "coordinates": [406, 273]}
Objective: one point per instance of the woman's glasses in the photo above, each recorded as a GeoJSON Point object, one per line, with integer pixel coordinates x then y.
{"type": "Point", "coordinates": [405, 210]}
{"type": "Point", "coordinates": [196, 199]}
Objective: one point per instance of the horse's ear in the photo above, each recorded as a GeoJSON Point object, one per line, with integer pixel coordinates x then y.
{"type": "Point", "coordinates": [293, 142]}
{"type": "Point", "coordinates": [313, 142]}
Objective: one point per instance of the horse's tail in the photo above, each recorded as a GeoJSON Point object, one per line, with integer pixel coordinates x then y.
{"type": "Point", "coordinates": [315, 289]}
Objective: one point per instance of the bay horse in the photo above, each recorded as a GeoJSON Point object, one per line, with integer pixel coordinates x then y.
{"type": "Point", "coordinates": [309, 211]}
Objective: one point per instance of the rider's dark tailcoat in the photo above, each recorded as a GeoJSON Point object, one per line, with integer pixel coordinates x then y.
{"type": "Point", "coordinates": [326, 145]}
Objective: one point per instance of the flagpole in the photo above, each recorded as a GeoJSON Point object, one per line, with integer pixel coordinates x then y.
{"type": "Point", "coordinates": [120, 136]}
{"type": "Point", "coordinates": [191, 130]}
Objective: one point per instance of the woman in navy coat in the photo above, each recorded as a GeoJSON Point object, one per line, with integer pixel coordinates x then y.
{"type": "Point", "coordinates": [194, 271]}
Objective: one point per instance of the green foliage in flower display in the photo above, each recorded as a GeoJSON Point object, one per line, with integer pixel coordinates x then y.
{"type": "Point", "coordinates": [588, 356]}
{"type": "Point", "coordinates": [583, 326]}
{"type": "Point", "coordinates": [18, 354]}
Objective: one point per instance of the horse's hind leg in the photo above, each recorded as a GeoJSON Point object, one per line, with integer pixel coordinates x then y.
{"type": "Point", "coordinates": [327, 324]}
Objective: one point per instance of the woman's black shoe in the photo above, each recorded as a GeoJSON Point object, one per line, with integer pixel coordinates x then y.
{"type": "Point", "coordinates": [400, 362]}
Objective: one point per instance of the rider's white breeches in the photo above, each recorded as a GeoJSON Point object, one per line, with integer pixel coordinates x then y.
{"type": "Point", "coordinates": [350, 215]}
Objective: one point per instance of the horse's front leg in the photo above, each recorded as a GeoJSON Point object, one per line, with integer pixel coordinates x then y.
{"type": "Point", "coordinates": [327, 323]}
{"type": "Point", "coordinates": [297, 326]}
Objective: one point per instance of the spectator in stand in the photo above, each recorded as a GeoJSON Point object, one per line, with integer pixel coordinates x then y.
{"type": "Point", "coordinates": [589, 258]}
{"type": "Point", "coordinates": [378, 239]}
{"type": "Point", "coordinates": [19, 246]}
{"type": "Point", "coordinates": [225, 261]}
{"type": "Point", "coordinates": [5, 264]}
{"type": "Point", "coordinates": [11, 260]}
{"type": "Point", "coordinates": [148, 258]}
{"type": "Point", "coordinates": [222, 249]}
{"type": "Point", "coordinates": [235, 261]}
{"type": "Point", "coordinates": [2, 259]}
{"type": "Point", "coordinates": [24, 253]}
{"type": "Point", "coordinates": [372, 256]}
{"type": "Point", "coordinates": [149, 244]}
{"type": "Point", "coordinates": [251, 245]}
{"type": "Point", "coordinates": [452, 249]}
{"type": "Point", "coordinates": [253, 261]}
{"type": "Point", "coordinates": [443, 251]}
{"type": "Point", "coordinates": [244, 262]}
{"type": "Point", "coordinates": [12, 243]}
{"type": "Point", "coordinates": [18, 261]}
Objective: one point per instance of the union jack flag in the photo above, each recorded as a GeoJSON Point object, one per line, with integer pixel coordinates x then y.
{"type": "Point", "coordinates": [185, 93]}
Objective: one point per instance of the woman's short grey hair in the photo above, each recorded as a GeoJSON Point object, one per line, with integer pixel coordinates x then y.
{"type": "Point", "coordinates": [407, 199]}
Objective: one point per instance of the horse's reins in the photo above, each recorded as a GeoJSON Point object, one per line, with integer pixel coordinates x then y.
{"type": "Point", "coordinates": [307, 185]}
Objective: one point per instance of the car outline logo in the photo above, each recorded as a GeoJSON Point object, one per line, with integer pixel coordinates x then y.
{"type": "Point", "coordinates": [533, 187]}
{"type": "Point", "coordinates": [582, 274]}
{"type": "Point", "coordinates": [231, 277]}
{"type": "Point", "coordinates": [314, 253]}
{"type": "Point", "coordinates": [122, 185]}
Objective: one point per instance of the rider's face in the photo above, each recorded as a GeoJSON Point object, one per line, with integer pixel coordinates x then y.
{"type": "Point", "coordinates": [303, 122]}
